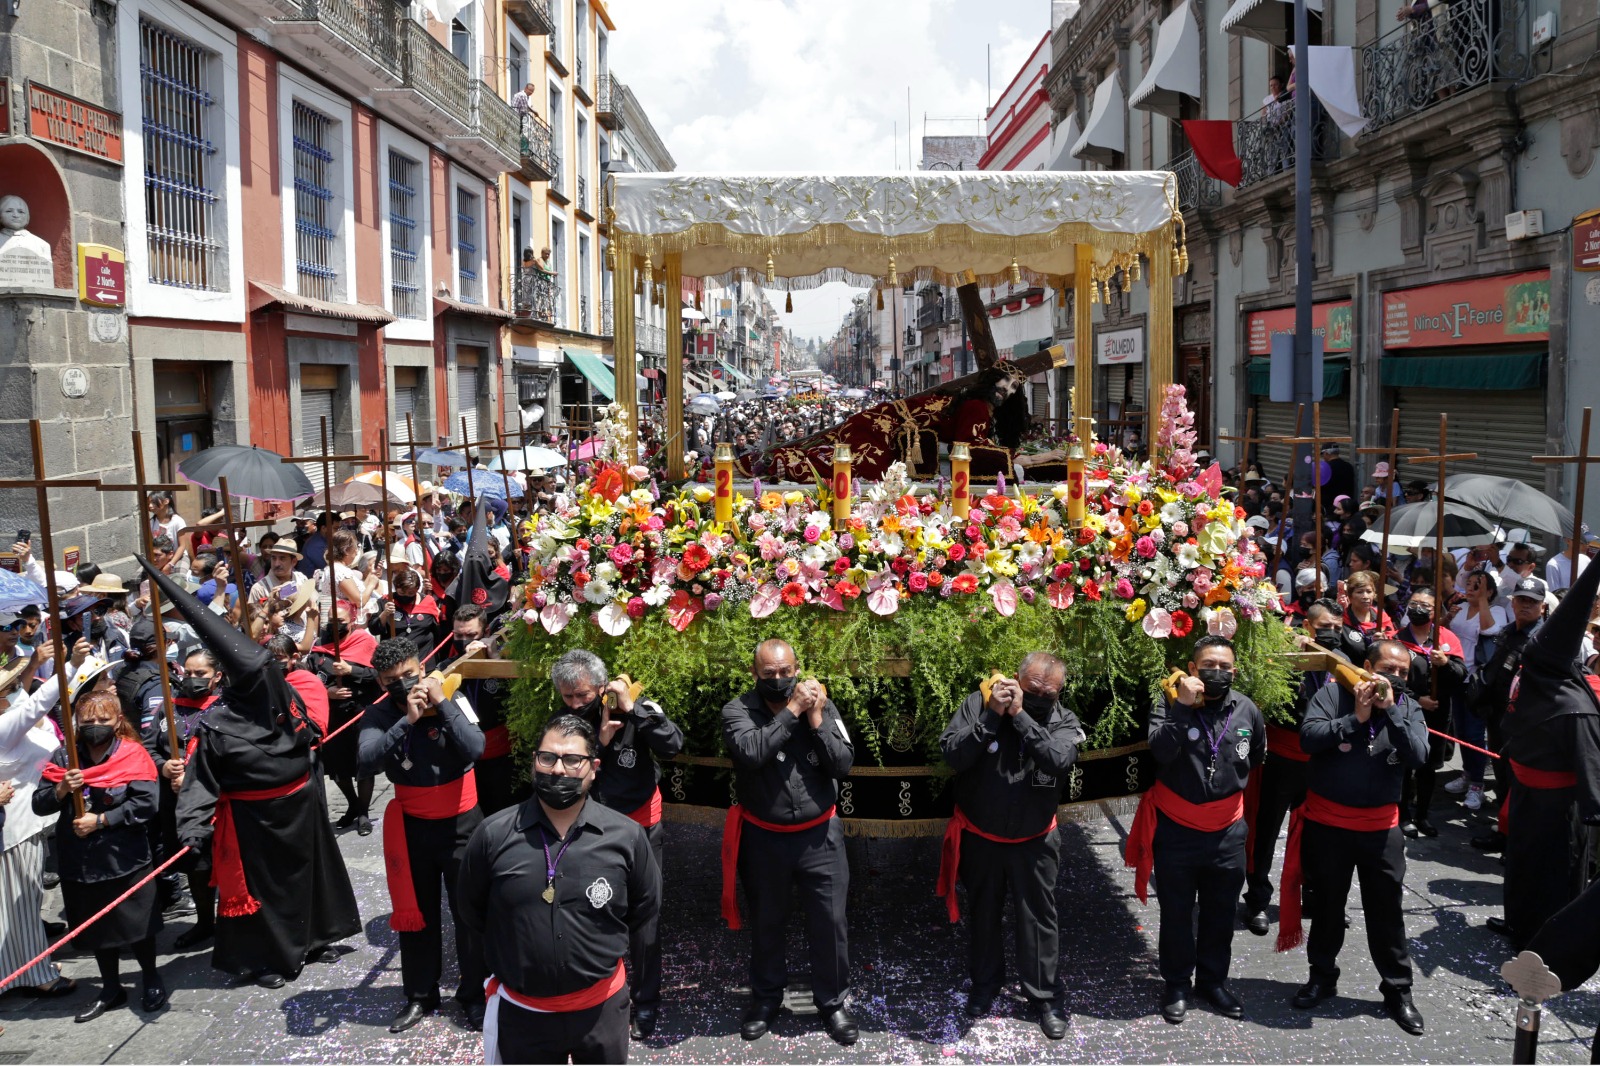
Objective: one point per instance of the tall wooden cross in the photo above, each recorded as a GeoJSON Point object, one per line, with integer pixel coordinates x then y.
{"type": "Point", "coordinates": [411, 444]}
{"type": "Point", "coordinates": [1439, 462]}
{"type": "Point", "coordinates": [382, 463]}
{"type": "Point", "coordinates": [1582, 459]}
{"type": "Point", "coordinates": [1245, 443]}
{"type": "Point", "coordinates": [41, 486]}
{"type": "Point", "coordinates": [326, 461]}
{"type": "Point", "coordinates": [147, 537]}
{"type": "Point", "coordinates": [1315, 441]}
{"type": "Point", "coordinates": [465, 446]}
{"type": "Point", "coordinates": [1391, 456]}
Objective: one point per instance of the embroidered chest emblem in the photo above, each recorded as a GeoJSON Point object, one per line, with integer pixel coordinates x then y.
{"type": "Point", "coordinates": [599, 893]}
{"type": "Point", "coordinates": [627, 758]}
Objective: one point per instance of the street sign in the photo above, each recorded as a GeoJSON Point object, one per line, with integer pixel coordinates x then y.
{"type": "Point", "coordinates": [71, 557]}
{"type": "Point", "coordinates": [1586, 241]}
{"type": "Point", "coordinates": [1283, 368]}
{"type": "Point", "coordinates": [76, 124]}
{"type": "Point", "coordinates": [102, 276]}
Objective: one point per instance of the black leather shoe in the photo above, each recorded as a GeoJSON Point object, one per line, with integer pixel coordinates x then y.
{"type": "Point", "coordinates": [1226, 1002]}
{"type": "Point", "coordinates": [1174, 1003]}
{"type": "Point", "coordinates": [268, 979]}
{"type": "Point", "coordinates": [155, 995]}
{"type": "Point", "coordinates": [193, 938]}
{"type": "Point", "coordinates": [757, 1019]}
{"type": "Point", "coordinates": [1409, 828]}
{"type": "Point", "coordinates": [1492, 841]}
{"type": "Point", "coordinates": [49, 879]}
{"type": "Point", "coordinates": [102, 1004]}
{"type": "Point", "coordinates": [1051, 1022]}
{"type": "Point", "coordinates": [842, 1027]}
{"type": "Point", "coordinates": [1257, 923]}
{"type": "Point", "coordinates": [644, 1023]}
{"type": "Point", "coordinates": [54, 929]}
{"type": "Point", "coordinates": [1313, 992]}
{"type": "Point", "coordinates": [346, 821]}
{"type": "Point", "coordinates": [1427, 828]}
{"type": "Point", "coordinates": [413, 1012]}
{"type": "Point", "coordinates": [979, 1004]}
{"type": "Point", "coordinates": [1498, 925]}
{"type": "Point", "coordinates": [1404, 1012]}
{"type": "Point", "coordinates": [474, 1014]}
{"type": "Point", "coordinates": [363, 826]}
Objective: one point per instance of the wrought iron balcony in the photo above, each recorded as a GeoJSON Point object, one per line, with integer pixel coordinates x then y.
{"type": "Point", "coordinates": [650, 339]}
{"type": "Point", "coordinates": [1196, 188]}
{"type": "Point", "coordinates": [496, 140]}
{"type": "Point", "coordinates": [534, 296]}
{"type": "Point", "coordinates": [934, 313]}
{"type": "Point", "coordinates": [606, 102]}
{"type": "Point", "coordinates": [531, 16]}
{"type": "Point", "coordinates": [607, 321]}
{"type": "Point", "coordinates": [364, 31]}
{"type": "Point", "coordinates": [583, 313]}
{"type": "Point", "coordinates": [558, 179]}
{"type": "Point", "coordinates": [539, 161]}
{"type": "Point", "coordinates": [436, 87]}
{"type": "Point", "coordinates": [1421, 64]}
{"type": "Point", "coordinates": [579, 85]}
{"type": "Point", "coordinates": [582, 205]}
{"type": "Point", "coordinates": [1266, 141]}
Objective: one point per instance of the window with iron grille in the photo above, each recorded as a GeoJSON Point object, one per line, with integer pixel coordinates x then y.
{"type": "Point", "coordinates": [182, 177]}
{"type": "Point", "coordinates": [405, 270]}
{"type": "Point", "coordinates": [467, 245]}
{"type": "Point", "coordinates": [316, 236]}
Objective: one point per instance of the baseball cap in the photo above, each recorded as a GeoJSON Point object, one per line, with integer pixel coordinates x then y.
{"type": "Point", "coordinates": [1329, 447]}
{"type": "Point", "coordinates": [142, 632]}
{"type": "Point", "coordinates": [1380, 471]}
{"type": "Point", "coordinates": [1530, 588]}
{"type": "Point", "coordinates": [1257, 522]}
{"type": "Point", "coordinates": [7, 619]}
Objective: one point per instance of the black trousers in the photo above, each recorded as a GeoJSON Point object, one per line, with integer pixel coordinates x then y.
{"type": "Point", "coordinates": [771, 867]}
{"type": "Point", "coordinates": [1026, 873]}
{"type": "Point", "coordinates": [435, 846]}
{"type": "Point", "coordinates": [599, 1034]}
{"type": "Point", "coordinates": [1540, 876]}
{"type": "Point", "coordinates": [1329, 857]}
{"type": "Point", "coordinates": [496, 778]}
{"type": "Point", "coordinates": [1196, 868]}
{"type": "Point", "coordinates": [644, 945]}
{"type": "Point", "coordinates": [1283, 788]}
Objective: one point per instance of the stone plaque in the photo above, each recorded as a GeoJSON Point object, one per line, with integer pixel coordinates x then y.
{"type": "Point", "coordinates": [74, 382]}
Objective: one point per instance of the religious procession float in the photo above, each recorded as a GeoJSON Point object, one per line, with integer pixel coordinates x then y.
{"type": "Point", "coordinates": [902, 579]}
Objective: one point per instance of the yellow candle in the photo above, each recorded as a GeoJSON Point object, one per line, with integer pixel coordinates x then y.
{"type": "Point", "coordinates": [724, 470]}
{"type": "Point", "coordinates": [960, 480]}
{"type": "Point", "coordinates": [841, 485]}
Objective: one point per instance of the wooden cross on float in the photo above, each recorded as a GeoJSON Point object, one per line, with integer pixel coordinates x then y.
{"type": "Point", "coordinates": [1439, 462]}
{"type": "Point", "coordinates": [1391, 456]}
{"type": "Point", "coordinates": [1316, 441]}
{"type": "Point", "coordinates": [326, 461]}
{"type": "Point", "coordinates": [1247, 441]}
{"type": "Point", "coordinates": [1582, 459]}
{"type": "Point", "coordinates": [41, 486]}
{"type": "Point", "coordinates": [465, 448]}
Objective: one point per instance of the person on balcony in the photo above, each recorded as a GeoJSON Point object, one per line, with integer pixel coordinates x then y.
{"type": "Point", "coordinates": [522, 100]}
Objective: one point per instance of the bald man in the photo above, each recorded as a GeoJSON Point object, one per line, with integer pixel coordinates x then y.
{"type": "Point", "coordinates": [790, 749]}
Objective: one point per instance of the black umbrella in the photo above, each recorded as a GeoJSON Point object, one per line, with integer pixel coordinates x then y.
{"type": "Point", "coordinates": [1514, 502]}
{"type": "Point", "coordinates": [1413, 525]}
{"type": "Point", "coordinates": [254, 473]}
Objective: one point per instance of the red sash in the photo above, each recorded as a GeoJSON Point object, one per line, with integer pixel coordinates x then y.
{"type": "Point", "coordinates": [582, 999]}
{"type": "Point", "coordinates": [1285, 743]}
{"type": "Point", "coordinates": [496, 742]}
{"type": "Point", "coordinates": [1325, 812]}
{"type": "Point", "coordinates": [1281, 740]}
{"type": "Point", "coordinates": [417, 801]}
{"type": "Point", "coordinates": [1528, 777]}
{"type": "Point", "coordinates": [313, 693]}
{"type": "Point", "coordinates": [732, 830]}
{"type": "Point", "coordinates": [1206, 817]}
{"type": "Point", "coordinates": [950, 855]}
{"type": "Point", "coordinates": [649, 812]}
{"type": "Point", "coordinates": [227, 865]}
{"type": "Point", "coordinates": [127, 763]}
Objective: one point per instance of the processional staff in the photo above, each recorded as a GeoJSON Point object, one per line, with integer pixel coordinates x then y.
{"type": "Point", "coordinates": [326, 461]}
{"type": "Point", "coordinates": [1439, 462]}
{"type": "Point", "coordinates": [1392, 456]}
{"type": "Point", "coordinates": [1316, 441]}
{"type": "Point", "coordinates": [1582, 459]}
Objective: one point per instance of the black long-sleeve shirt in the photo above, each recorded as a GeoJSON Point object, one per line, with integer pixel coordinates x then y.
{"type": "Point", "coordinates": [119, 849]}
{"type": "Point", "coordinates": [1361, 765]}
{"type": "Point", "coordinates": [628, 775]}
{"type": "Point", "coordinates": [1181, 739]}
{"type": "Point", "coordinates": [437, 750]}
{"type": "Point", "coordinates": [785, 772]}
{"type": "Point", "coordinates": [606, 885]}
{"type": "Point", "coordinates": [1010, 769]}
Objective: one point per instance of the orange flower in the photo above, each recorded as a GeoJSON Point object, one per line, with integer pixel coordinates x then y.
{"type": "Point", "coordinates": [1040, 533]}
{"type": "Point", "coordinates": [771, 501]}
{"type": "Point", "coordinates": [967, 582]}
{"type": "Point", "coordinates": [1121, 546]}
{"type": "Point", "coordinates": [891, 523]}
{"type": "Point", "coordinates": [1218, 594]}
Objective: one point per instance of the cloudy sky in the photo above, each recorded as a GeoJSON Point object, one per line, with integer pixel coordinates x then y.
{"type": "Point", "coordinates": [815, 85]}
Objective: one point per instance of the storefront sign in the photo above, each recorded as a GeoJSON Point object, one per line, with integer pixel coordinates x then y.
{"type": "Point", "coordinates": [72, 123]}
{"type": "Point", "coordinates": [1585, 240]}
{"type": "Point", "coordinates": [101, 276]}
{"type": "Point", "coordinates": [1119, 347]}
{"type": "Point", "coordinates": [1504, 309]}
{"type": "Point", "coordinates": [1333, 321]}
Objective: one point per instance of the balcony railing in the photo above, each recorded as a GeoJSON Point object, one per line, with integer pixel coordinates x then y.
{"type": "Point", "coordinates": [605, 102]}
{"type": "Point", "coordinates": [607, 323]}
{"type": "Point", "coordinates": [558, 183]}
{"type": "Point", "coordinates": [935, 313]}
{"type": "Point", "coordinates": [1196, 188]}
{"type": "Point", "coordinates": [583, 313]}
{"type": "Point", "coordinates": [578, 70]}
{"type": "Point", "coordinates": [534, 296]}
{"type": "Point", "coordinates": [431, 70]}
{"type": "Point", "coordinates": [1461, 45]}
{"type": "Point", "coordinates": [497, 125]}
{"type": "Point", "coordinates": [1266, 141]}
{"type": "Point", "coordinates": [365, 29]}
{"type": "Point", "coordinates": [538, 149]}
{"type": "Point", "coordinates": [582, 203]}
{"type": "Point", "coordinates": [531, 16]}
{"type": "Point", "coordinates": [651, 339]}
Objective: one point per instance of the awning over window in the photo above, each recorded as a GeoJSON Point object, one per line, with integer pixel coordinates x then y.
{"type": "Point", "coordinates": [1335, 375]}
{"type": "Point", "coordinates": [1508, 373]}
{"type": "Point", "coordinates": [737, 374]}
{"type": "Point", "coordinates": [1265, 20]}
{"type": "Point", "coordinates": [1175, 69]}
{"type": "Point", "coordinates": [598, 374]}
{"type": "Point", "coordinates": [1067, 135]}
{"type": "Point", "coordinates": [1105, 135]}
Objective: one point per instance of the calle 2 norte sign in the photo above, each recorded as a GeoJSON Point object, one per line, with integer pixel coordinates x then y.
{"type": "Point", "coordinates": [1503, 309]}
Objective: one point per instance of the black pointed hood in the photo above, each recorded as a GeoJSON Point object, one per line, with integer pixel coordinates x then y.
{"type": "Point", "coordinates": [479, 583]}
{"type": "Point", "coordinates": [1559, 641]}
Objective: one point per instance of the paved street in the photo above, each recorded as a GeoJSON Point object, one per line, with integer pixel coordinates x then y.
{"type": "Point", "coordinates": [908, 966]}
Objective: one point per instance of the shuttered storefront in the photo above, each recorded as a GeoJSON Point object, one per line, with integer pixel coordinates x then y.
{"type": "Point", "coordinates": [1504, 428]}
{"type": "Point", "coordinates": [1040, 398]}
{"type": "Point", "coordinates": [319, 388]}
{"type": "Point", "coordinates": [1277, 420]}
{"type": "Point", "coordinates": [407, 385]}
{"type": "Point", "coordinates": [468, 399]}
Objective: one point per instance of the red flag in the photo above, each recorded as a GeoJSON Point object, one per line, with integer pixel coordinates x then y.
{"type": "Point", "coordinates": [1212, 140]}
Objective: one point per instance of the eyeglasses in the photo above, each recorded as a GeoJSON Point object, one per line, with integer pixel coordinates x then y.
{"type": "Point", "coordinates": [546, 760]}
{"type": "Point", "coordinates": [1515, 560]}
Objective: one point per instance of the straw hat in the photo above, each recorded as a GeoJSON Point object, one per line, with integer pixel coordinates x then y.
{"type": "Point", "coordinates": [286, 546]}
{"type": "Point", "coordinates": [109, 584]}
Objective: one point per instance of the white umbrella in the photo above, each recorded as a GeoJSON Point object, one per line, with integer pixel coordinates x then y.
{"type": "Point", "coordinates": [705, 404]}
{"type": "Point", "coordinates": [690, 314]}
{"type": "Point", "coordinates": [723, 395]}
{"type": "Point", "coordinates": [531, 457]}
{"type": "Point", "coordinates": [877, 385]}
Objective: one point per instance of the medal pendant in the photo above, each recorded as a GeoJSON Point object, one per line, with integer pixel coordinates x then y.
{"type": "Point", "coordinates": [549, 893]}
{"type": "Point", "coordinates": [405, 764]}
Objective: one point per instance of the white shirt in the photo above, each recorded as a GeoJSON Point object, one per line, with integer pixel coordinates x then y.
{"type": "Point", "coordinates": [1558, 571]}
{"type": "Point", "coordinates": [1468, 628]}
{"type": "Point", "coordinates": [26, 743]}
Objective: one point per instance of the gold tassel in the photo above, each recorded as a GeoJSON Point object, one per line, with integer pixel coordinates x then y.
{"type": "Point", "coordinates": [788, 303]}
{"type": "Point", "coordinates": [638, 283]}
{"type": "Point", "coordinates": [611, 257]}
{"type": "Point", "coordinates": [880, 298]}
{"type": "Point", "coordinates": [894, 273]}
{"type": "Point", "coordinates": [1133, 268]}
{"type": "Point", "coordinates": [1094, 291]}
{"type": "Point", "coordinates": [1016, 272]}
{"type": "Point", "coordinates": [1183, 260]}
{"type": "Point", "coordinates": [697, 306]}
{"type": "Point", "coordinates": [772, 271]}
{"type": "Point", "coordinates": [648, 269]}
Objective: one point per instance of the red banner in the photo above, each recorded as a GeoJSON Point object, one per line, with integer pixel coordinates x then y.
{"type": "Point", "coordinates": [1504, 309]}
{"type": "Point", "coordinates": [1333, 321]}
{"type": "Point", "coordinates": [76, 124]}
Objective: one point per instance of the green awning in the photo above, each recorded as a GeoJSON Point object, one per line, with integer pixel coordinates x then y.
{"type": "Point", "coordinates": [591, 367]}
{"type": "Point", "coordinates": [739, 376]}
{"type": "Point", "coordinates": [1335, 373]}
{"type": "Point", "coordinates": [1023, 349]}
{"type": "Point", "coordinates": [1524, 370]}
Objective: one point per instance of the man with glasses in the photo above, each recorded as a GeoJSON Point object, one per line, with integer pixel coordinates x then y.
{"type": "Point", "coordinates": [1011, 749]}
{"type": "Point", "coordinates": [426, 745]}
{"type": "Point", "coordinates": [554, 890]}
{"type": "Point", "coordinates": [1558, 571]}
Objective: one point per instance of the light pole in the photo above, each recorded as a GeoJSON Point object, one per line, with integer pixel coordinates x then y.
{"type": "Point", "coordinates": [1305, 466]}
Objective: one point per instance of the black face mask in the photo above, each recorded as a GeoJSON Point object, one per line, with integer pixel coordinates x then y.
{"type": "Point", "coordinates": [97, 734]}
{"type": "Point", "coordinates": [1038, 707]}
{"type": "Point", "coordinates": [558, 792]}
{"type": "Point", "coordinates": [336, 631]}
{"type": "Point", "coordinates": [405, 603]}
{"type": "Point", "coordinates": [1420, 616]}
{"type": "Point", "coordinates": [1306, 599]}
{"type": "Point", "coordinates": [399, 691]}
{"type": "Point", "coordinates": [775, 689]}
{"type": "Point", "coordinates": [590, 709]}
{"type": "Point", "coordinates": [96, 629]}
{"type": "Point", "coordinates": [194, 688]}
{"type": "Point", "coordinates": [1397, 684]}
{"type": "Point", "coordinates": [1217, 682]}
{"type": "Point", "coordinates": [1329, 638]}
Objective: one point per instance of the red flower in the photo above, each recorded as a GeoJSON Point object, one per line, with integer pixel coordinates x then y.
{"type": "Point", "coordinates": [957, 552]}
{"type": "Point", "coordinates": [1145, 508]}
{"type": "Point", "coordinates": [848, 589]}
{"type": "Point", "coordinates": [636, 608]}
{"type": "Point", "coordinates": [695, 557]}
{"type": "Point", "coordinates": [794, 594]}
{"type": "Point", "coordinates": [1085, 565]}
{"type": "Point", "coordinates": [918, 581]}
{"type": "Point", "coordinates": [1182, 623]}
{"type": "Point", "coordinates": [899, 564]}
{"type": "Point", "coordinates": [1061, 571]}
{"type": "Point", "coordinates": [582, 544]}
{"type": "Point", "coordinates": [1091, 589]}
{"type": "Point", "coordinates": [841, 565]}
{"type": "Point", "coordinates": [1086, 535]}
{"type": "Point", "coordinates": [965, 583]}
{"type": "Point", "coordinates": [580, 579]}
{"type": "Point", "coordinates": [608, 485]}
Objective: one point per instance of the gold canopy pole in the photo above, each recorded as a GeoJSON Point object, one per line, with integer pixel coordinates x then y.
{"type": "Point", "coordinates": [672, 434]}
{"type": "Point", "coordinates": [1083, 335]}
{"type": "Point", "coordinates": [623, 349]}
{"type": "Point", "coordinates": [1159, 372]}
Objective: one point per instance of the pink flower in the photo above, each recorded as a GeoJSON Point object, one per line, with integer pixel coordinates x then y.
{"type": "Point", "coordinates": [1201, 580]}
{"type": "Point", "coordinates": [1222, 623]}
{"type": "Point", "coordinates": [884, 600]}
{"type": "Point", "coordinates": [681, 610]}
{"type": "Point", "coordinates": [918, 581]}
{"type": "Point", "coordinates": [1061, 571]}
{"type": "Point", "coordinates": [840, 565]}
{"type": "Point", "coordinates": [764, 601]}
{"type": "Point", "coordinates": [713, 601]}
{"type": "Point", "coordinates": [1059, 595]}
{"type": "Point", "coordinates": [812, 534]}
{"type": "Point", "coordinates": [1028, 595]}
{"type": "Point", "coordinates": [636, 608]}
{"type": "Point", "coordinates": [1004, 595]}
{"type": "Point", "coordinates": [1145, 547]}
{"type": "Point", "coordinates": [622, 554]}
{"type": "Point", "coordinates": [1190, 600]}
{"type": "Point", "coordinates": [1180, 529]}
{"type": "Point", "coordinates": [1158, 624]}
{"type": "Point", "coordinates": [958, 552]}
{"type": "Point", "coordinates": [1124, 589]}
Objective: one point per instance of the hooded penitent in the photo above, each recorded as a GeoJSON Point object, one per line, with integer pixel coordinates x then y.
{"type": "Point", "coordinates": [478, 583]}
